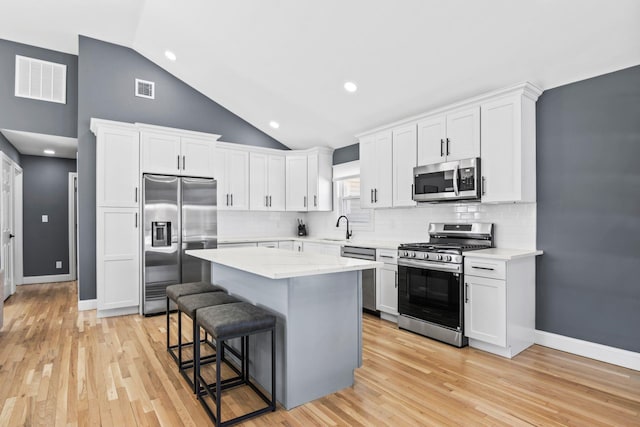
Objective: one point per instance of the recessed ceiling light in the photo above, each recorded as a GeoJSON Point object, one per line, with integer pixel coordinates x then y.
{"type": "Point", "coordinates": [49, 152]}
{"type": "Point", "coordinates": [350, 87]}
{"type": "Point", "coordinates": [274, 124]}
{"type": "Point", "coordinates": [170, 55]}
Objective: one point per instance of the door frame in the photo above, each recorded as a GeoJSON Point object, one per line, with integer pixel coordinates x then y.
{"type": "Point", "coordinates": [18, 266]}
{"type": "Point", "coordinates": [73, 177]}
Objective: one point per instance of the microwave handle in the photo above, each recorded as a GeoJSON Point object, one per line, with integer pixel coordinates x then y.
{"type": "Point", "coordinates": [455, 180]}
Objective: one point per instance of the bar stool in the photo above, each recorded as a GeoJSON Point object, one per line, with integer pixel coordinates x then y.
{"type": "Point", "coordinates": [225, 322]}
{"type": "Point", "coordinates": [191, 305]}
{"type": "Point", "coordinates": [173, 293]}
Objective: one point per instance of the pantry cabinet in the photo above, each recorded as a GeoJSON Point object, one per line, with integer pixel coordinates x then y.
{"type": "Point", "coordinates": [178, 153]}
{"type": "Point", "coordinates": [232, 168]}
{"type": "Point", "coordinates": [449, 137]}
{"type": "Point", "coordinates": [266, 182]}
{"type": "Point", "coordinates": [376, 170]}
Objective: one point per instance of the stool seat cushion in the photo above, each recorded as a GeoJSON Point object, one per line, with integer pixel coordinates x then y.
{"type": "Point", "coordinates": [181, 289]}
{"type": "Point", "coordinates": [190, 303]}
{"type": "Point", "coordinates": [234, 320]}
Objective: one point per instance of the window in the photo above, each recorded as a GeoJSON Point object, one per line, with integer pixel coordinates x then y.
{"type": "Point", "coordinates": [348, 199]}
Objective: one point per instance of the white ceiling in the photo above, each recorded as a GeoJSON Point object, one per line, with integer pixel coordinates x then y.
{"type": "Point", "coordinates": [287, 60]}
{"type": "Point", "coordinates": [34, 144]}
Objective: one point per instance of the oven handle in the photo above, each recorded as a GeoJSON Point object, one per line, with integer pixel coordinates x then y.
{"type": "Point", "coordinates": [426, 265]}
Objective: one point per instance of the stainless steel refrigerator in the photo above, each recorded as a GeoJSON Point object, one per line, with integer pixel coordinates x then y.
{"type": "Point", "coordinates": [178, 214]}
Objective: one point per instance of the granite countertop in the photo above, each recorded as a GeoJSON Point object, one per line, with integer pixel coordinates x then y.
{"type": "Point", "coordinates": [281, 264]}
{"type": "Point", "coordinates": [503, 253]}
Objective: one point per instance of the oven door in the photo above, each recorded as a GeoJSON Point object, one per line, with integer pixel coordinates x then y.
{"type": "Point", "coordinates": [433, 293]}
{"type": "Point", "coordinates": [447, 181]}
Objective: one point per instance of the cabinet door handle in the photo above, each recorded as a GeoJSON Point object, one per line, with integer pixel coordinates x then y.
{"type": "Point", "coordinates": [315, 201]}
{"type": "Point", "coordinates": [266, 201]}
{"type": "Point", "coordinates": [178, 161]}
{"type": "Point", "coordinates": [441, 147]}
{"type": "Point", "coordinates": [396, 280]}
{"type": "Point", "coordinates": [372, 195]}
{"type": "Point", "coordinates": [483, 181]}
{"type": "Point", "coordinates": [269, 201]}
{"type": "Point", "coordinates": [184, 163]}
{"type": "Point", "coordinates": [227, 199]}
{"type": "Point", "coordinates": [412, 193]}
{"type": "Point", "coordinates": [136, 195]}
{"type": "Point", "coordinates": [305, 201]}
{"type": "Point", "coordinates": [136, 219]}
{"type": "Point", "coordinates": [375, 195]}
{"type": "Point", "coordinates": [231, 199]}
{"type": "Point", "coordinates": [483, 268]}
{"type": "Point", "coordinates": [448, 146]}
{"type": "Point", "coordinates": [466, 293]}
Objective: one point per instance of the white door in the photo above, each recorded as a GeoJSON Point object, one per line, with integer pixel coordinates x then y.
{"type": "Point", "coordinates": [463, 134]}
{"type": "Point", "coordinates": [296, 186]}
{"type": "Point", "coordinates": [160, 153]}
{"type": "Point", "coordinates": [431, 140]}
{"type": "Point", "coordinates": [384, 155]}
{"type": "Point", "coordinates": [198, 157]}
{"type": "Point", "coordinates": [485, 310]}
{"type": "Point", "coordinates": [277, 184]}
{"type": "Point", "coordinates": [18, 270]}
{"type": "Point", "coordinates": [404, 160]}
{"type": "Point", "coordinates": [258, 179]}
{"type": "Point", "coordinates": [368, 173]}
{"type": "Point", "coordinates": [6, 224]}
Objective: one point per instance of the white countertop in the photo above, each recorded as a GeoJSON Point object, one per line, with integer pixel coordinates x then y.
{"type": "Point", "coordinates": [376, 244]}
{"type": "Point", "coordinates": [281, 263]}
{"type": "Point", "coordinates": [503, 254]}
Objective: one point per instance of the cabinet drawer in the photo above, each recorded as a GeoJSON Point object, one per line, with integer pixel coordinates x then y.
{"type": "Point", "coordinates": [387, 256]}
{"type": "Point", "coordinates": [483, 267]}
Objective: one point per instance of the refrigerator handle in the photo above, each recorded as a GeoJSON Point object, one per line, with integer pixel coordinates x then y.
{"type": "Point", "coordinates": [184, 163]}
{"type": "Point", "coordinates": [136, 219]}
{"type": "Point", "coordinates": [178, 161]}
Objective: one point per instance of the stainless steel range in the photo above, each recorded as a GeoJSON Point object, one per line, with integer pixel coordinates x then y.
{"type": "Point", "coordinates": [431, 280]}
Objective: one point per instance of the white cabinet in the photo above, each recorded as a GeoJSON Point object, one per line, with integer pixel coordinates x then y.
{"type": "Point", "coordinates": [321, 248]}
{"type": "Point", "coordinates": [267, 182]}
{"type": "Point", "coordinates": [237, 245]}
{"type": "Point", "coordinates": [376, 173]}
{"type": "Point", "coordinates": [449, 137]}
{"type": "Point", "coordinates": [118, 269]}
{"type": "Point", "coordinates": [297, 246]}
{"type": "Point", "coordinates": [499, 304]}
{"type": "Point", "coordinates": [296, 186]}
{"type": "Point", "coordinates": [117, 258]}
{"type": "Point", "coordinates": [387, 283]}
{"type": "Point", "coordinates": [232, 168]}
{"type": "Point", "coordinates": [174, 153]}
{"type": "Point", "coordinates": [404, 160]}
{"type": "Point", "coordinates": [286, 244]}
{"type": "Point", "coordinates": [309, 185]}
{"type": "Point", "coordinates": [272, 245]}
{"type": "Point", "coordinates": [509, 148]}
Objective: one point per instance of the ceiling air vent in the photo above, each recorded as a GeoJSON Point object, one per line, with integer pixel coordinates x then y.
{"type": "Point", "coordinates": [41, 80]}
{"type": "Point", "coordinates": [145, 89]}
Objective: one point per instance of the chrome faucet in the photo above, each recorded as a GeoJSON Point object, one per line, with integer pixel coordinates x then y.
{"type": "Point", "coordinates": [349, 233]}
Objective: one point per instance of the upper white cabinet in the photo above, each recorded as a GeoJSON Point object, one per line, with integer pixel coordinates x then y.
{"type": "Point", "coordinates": [508, 153]}
{"type": "Point", "coordinates": [404, 160]}
{"type": "Point", "coordinates": [117, 165]}
{"type": "Point", "coordinates": [178, 153]}
{"type": "Point", "coordinates": [376, 174]}
{"type": "Point", "coordinates": [266, 182]}
{"type": "Point", "coordinates": [309, 185]}
{"type": "Point", "coordinates": [449, 137]}
{"type": "Point", "coordinates": [232, 168]}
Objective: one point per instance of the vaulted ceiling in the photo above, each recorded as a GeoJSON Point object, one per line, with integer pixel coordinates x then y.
{"type": "Point", "coordinates": [287, 60]}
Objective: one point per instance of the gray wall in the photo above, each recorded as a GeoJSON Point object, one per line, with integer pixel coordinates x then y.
{"type": "Point", "coordinates": [346, 154]}
{"type": "Point", "coordinates": [45, 190]}
{"type": "Point", "coordinates": [106, 81]}
{"type": "Point", "coordinates": [588, 153]}
{"type": "Point", "coordinates": [31, 115]}
{"type": "Point", "coordinates": [8, 148]}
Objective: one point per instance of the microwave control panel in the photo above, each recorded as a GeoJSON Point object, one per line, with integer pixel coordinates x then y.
{"type": "Point", "coordinates": [467, 179]}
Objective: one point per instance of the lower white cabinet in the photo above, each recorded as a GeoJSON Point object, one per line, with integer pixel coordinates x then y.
{"type": "Point", "coordinates": [321, 248]}
{"type": "Point", "coordinates": [117, 260]}
{"type": "Point", "coordinates": [273, 245]}
{"type": "Point", "coordinates": [297, 246]}
{"type": "Point", "coordinates": [387, 283]}
{"type": "Point", "coordinates": [499, 304]}
{"type": "Point", "coordinates": [286, 244]}
{"type": "Point", "coordinates": [237, 245]}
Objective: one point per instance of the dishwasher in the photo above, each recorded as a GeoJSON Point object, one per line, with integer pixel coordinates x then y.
{"type": "Point", "coordinates": [368, 276]}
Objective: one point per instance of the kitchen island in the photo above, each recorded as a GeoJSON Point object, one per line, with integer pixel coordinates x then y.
{"type": "Point", "coordinates": [317, 300]}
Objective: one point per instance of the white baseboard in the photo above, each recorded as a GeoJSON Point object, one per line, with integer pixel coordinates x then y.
{"type": "Point", "coordinates": [87, 304]}
{"type": "Point", "coordinates": [51, 278]}
{"type": "Point", "coordinates": [603, 353]}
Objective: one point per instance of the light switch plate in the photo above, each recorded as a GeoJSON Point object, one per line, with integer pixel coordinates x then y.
{"type": "Point", "coordinates": [58, 264]}
{"type": "Point", "coordinates": [45, 218]}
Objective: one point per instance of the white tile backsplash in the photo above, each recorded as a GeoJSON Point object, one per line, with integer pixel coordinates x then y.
{"type": "Point", "coordinates": [239, 224]}
{"type": "Point", "coordinates": [515, 224]}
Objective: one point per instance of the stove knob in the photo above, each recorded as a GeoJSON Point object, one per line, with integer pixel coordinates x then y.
{"type": "Point", "coordinates": [439, 257]}
{"type": "Point", "coordinates": [413, 254]}
{"type": "Point", "coordinates": [447, 258]}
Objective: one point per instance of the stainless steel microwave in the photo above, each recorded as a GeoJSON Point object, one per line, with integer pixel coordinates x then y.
{"type": "Point", "coordinates": [458, 180]}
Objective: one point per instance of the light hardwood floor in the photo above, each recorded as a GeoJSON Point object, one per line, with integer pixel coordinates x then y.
{"type": "Point", "coordinates": [59, 366]}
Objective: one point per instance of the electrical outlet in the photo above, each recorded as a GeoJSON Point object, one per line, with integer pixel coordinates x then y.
{"type": "Point", "coordinates": [58, 264]}
{"type": "Point", "coordinates": [45, 218]}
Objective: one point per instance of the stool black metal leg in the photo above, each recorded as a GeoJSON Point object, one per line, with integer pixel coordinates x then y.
{"type": "Point", "coordinates": [196, 345]}
{"type": "Point", "coordinates": [219, 344]}
{"type": "Point", "coordinates": [168, 330]}
{"type": "Point", "coordinates": [273, 370]}
{"type": "Point", "coordinates": [179, 339]}
{"type": "Point", "coordinates": [246, 360]}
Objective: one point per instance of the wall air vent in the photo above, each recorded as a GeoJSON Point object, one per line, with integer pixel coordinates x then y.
{"type": "Point", "coordinates": [41, 80]}
{"type": "Point", "coordinates": [145, 89]}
